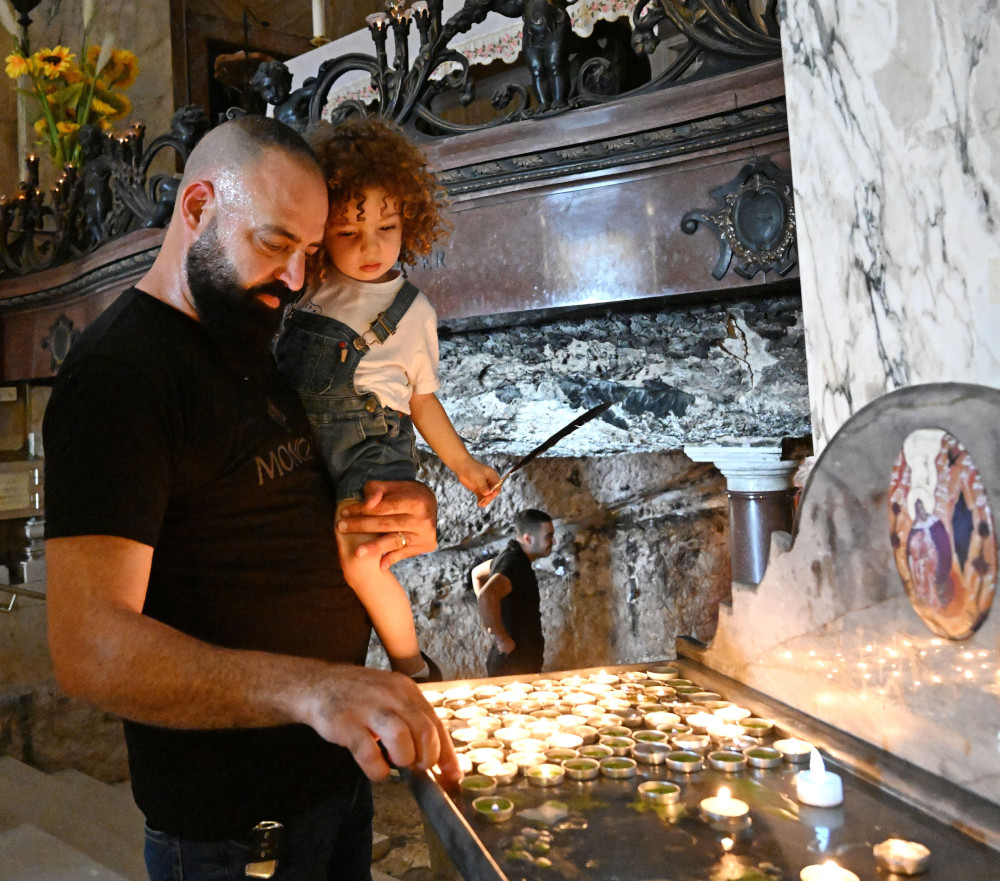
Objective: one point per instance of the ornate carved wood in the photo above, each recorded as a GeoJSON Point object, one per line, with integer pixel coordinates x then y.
{"type": "Point", "coordinates": [564, 212]}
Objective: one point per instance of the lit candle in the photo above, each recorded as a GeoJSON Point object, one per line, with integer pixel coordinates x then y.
{"type": "Point", "coordinates": [502, 772]}
{"type": "Point", "coordinates": [817, 786]}
{"type": "Point", "coordinates": [700, 721]}
{"type": "Point", "coordinates": [605, 678]}
{"type": "Point", "coordinates": [545, 775]}
{"type": "Point", "coordinates": [524, 761]}
{"type": "Point", "coordinates": [509, 736]}
{"type": "Point", "coordinates": [724, 807]}
{"type": "Point", "coordinates": [827, 871]}
{"type": "Point", "coordinates": [319, 22]}
{"type": "Point", "coordinates": [732, 713]}
{"type": "Point", "coordinates": [565, 740]}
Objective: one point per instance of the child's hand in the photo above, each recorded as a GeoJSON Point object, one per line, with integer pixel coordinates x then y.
{"type": "Point", "coordinates": [481, 479]}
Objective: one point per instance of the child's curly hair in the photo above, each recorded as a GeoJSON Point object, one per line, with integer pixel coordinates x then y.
{"type": "Point", "coordinates": [365, 152]}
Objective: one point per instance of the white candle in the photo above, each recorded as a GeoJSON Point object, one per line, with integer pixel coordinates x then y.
{"type": "Point", "coordinates": [545, 774]}
{"type": "Point", "coordinates": [732, 713]}
{"type": "Point", "coordinates": [319, 23]}
{"type": "Point", "coordinates": [827, 871]}
{"type": "Point", "coordinates": [724, 807]}
{"type": "Point", "coordinates": [817, 786]}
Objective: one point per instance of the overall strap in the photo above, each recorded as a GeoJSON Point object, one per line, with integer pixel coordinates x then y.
{"type": "Point", "coordinates": [385, 323]}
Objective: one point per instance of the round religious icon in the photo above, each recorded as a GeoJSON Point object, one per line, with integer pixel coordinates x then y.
{"type": "Point", "coordinates": [943, 536]}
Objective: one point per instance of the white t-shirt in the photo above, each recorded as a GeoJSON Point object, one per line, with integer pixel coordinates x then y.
{"type": "Point", "coordinates": [407, 362]}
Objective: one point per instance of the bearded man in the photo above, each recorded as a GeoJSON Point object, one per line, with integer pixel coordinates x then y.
{"type": "Point", "coordinates": [194, 586]}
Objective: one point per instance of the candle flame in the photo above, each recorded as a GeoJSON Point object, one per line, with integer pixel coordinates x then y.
{"type": "Point", "coordinates": [816, 765]}
{"type": "Point", "coordinates": [723, 792]}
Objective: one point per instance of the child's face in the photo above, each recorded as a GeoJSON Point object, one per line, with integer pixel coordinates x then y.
{"type": "Point", "coordinates": [364, 244]}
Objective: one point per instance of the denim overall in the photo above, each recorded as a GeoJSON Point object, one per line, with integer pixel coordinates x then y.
{"type": "Point", "coordinates": [359, 439]}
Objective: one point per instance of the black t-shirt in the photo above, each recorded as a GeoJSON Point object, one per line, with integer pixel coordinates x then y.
{"type": "Point", "coordinates": [520, 610]}
{"type": "Point", "coordinates": [151, 435]}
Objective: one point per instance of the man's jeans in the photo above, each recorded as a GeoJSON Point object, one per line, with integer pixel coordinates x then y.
{"type": "Point", "coordinates": [332, 842]}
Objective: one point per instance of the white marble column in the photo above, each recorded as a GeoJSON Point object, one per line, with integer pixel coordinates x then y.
{"type": "Point", "coordinates": [894, 125]}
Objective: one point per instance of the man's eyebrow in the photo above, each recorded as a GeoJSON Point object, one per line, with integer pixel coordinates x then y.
{"type": "Point", "coordinates": [274, 229]}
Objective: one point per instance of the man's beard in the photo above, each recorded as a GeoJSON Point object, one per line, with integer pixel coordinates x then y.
{"type": "Point", "coordinates": [231, 314]}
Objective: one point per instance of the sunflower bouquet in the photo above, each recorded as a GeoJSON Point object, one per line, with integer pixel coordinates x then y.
{"type": "Point", "coordinates": [70, 90]}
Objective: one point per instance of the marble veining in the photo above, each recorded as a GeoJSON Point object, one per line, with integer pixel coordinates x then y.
{"type": "Point", "coordinates": [894, 125]}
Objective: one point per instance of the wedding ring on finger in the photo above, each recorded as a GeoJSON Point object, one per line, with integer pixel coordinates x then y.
{"type": "Point", "coordinates": [402, 539]}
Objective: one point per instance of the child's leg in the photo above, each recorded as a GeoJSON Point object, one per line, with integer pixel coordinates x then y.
{"type": "Point", "coordinates": [385, 601]}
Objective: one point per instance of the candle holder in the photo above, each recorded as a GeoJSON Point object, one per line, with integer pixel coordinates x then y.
{"type": "Point", "coordinates": [596, 751]}
{"type": "Point", "coordinates": [619, 746]}
{"type": "Point", "coordinates": [685, 761]}
{"type": "Point", "coordinates": [660, 792]}
{"type": "Point", "coordinates": [793, 750]}
{"type": "Point", "coordinates": [727, 761]}
{"type": "Point", "coordinates": [756, 727]}
{"type": "Point", "coordinates": [901, 857]}
{"type": "Point", "coordinates": [763, 757]}
{"type": "Point", "coordinates": [663, 673]}
{"type": "Point", "coordinates": [651, 753]}
{"type": "Point", "coordinates": [493, 808]}
{"type": "Point", "coordinates": [478, 784]}
{"type": "Point", "coordinates": [582, 768]}
{"type": "Point", "coordinates": [618, 767]}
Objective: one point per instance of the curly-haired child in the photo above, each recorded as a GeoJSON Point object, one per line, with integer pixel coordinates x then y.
{"type": "Point", "coordinates": [361, 349]}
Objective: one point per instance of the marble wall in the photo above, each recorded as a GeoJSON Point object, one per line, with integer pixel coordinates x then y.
{"type": "Point", "coordinates": [894, 125]}
{"type": "Point", "coordinates": [850, 649]}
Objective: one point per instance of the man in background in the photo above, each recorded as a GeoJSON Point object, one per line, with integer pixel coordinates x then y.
{"type": "Point", "coordinates": [508, 599]}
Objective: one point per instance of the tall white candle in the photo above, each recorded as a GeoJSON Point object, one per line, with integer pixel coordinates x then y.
{"type": "Point", "coordinates": [319, 18]}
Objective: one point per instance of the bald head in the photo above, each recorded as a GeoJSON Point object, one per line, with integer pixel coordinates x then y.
{"type": "Point", "coordinates": [239, 144]}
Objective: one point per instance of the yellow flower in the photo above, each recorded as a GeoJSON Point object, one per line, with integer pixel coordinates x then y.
{"type": "Point", "coordinates": [118, 105]}
{"type": "Point", "coordinates": [53, 62]}
{"type": "Point", "coordinates": [122, 69]}
{"type": "Point", "coordinates": [66, 128]}
{"type": "Point", "coordinates": [102, 108]}
{"type": "Point", "coordinates": [17, 65]}
{"type": "Point", "coordinates": [41, 127]}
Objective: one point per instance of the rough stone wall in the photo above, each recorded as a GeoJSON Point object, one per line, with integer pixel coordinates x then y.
{"type": "Point", "coordinates": [693, 374]}
{"type": "Point", "coordinates": [641, 554]}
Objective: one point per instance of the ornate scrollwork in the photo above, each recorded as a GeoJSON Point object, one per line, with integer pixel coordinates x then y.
{"type": "Point", "coordinates": [754, 221]}
{"type": "Point", "coordinates": [111, 194]}
{"type": "Point", "coordinates": [567, 71]}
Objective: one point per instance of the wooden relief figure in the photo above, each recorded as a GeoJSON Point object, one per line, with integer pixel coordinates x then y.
{"type": "Point", "coordinates": [943, 536]}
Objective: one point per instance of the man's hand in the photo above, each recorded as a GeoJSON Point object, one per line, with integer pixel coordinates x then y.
{"type": "Point", "coordinates": [360, 708]}
{"type": "Point", "coordinates": [403, 515]}
{"type": "Point", "coordinates": [505, 645]}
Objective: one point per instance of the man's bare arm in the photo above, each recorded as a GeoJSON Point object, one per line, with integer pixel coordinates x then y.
{"type": "Point", "coordinates": [495, 590]}
{"type": "Point", "coordinates": [105, 651]}
{"type": "Point", "coordinates": [480, 575]}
